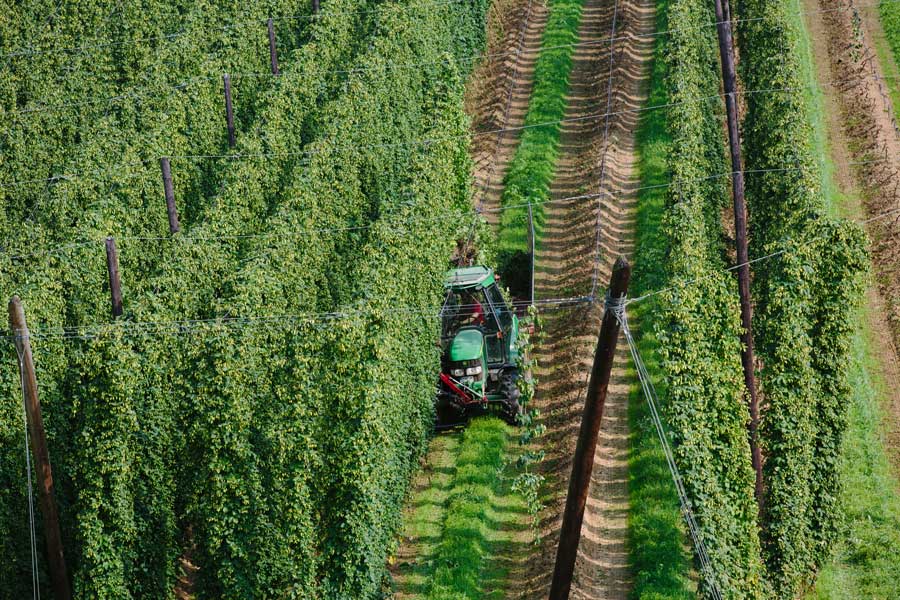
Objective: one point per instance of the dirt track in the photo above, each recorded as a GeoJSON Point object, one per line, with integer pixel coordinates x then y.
{"type": "Point", "coordinates": [597, 158]}
{"type": "Point", "coordinates": [499, 95]}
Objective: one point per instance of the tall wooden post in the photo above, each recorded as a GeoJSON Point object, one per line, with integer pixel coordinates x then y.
{"type": "Point", "coordinates": [55, 559]}
{"type": "Point", "coordinates": [583, 462]}
{"type": "Point", "coordinates": [229, 109]}
{"type": "Point", "coordinates": [315, 7]}
{"type": "Point", "coordinates": [273, 50]}
{"type": "Point", "coordinates": [171, 209]}
{"type": "Point", "coordinates": [729, 76]}
{"type": "Point", "coordinates": [115, 285]}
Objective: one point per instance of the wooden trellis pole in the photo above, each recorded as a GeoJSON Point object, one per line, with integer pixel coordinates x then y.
{"type": "Point", "coordinates": [115, 285]}
{"type": "Point", "coordinates": [729, 76]}
{"type": "Point", "coordinates": [56, 561]}
{"type": "Point", "coordinates": [171, 209]}
{"type": "Point", "coordinates": [273, 50]}
{"type": "Point", "coordinates": [229, 110]}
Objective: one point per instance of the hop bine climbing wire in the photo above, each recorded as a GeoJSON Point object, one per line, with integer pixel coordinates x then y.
{"type": "Point", "coordinates": [618, 309]}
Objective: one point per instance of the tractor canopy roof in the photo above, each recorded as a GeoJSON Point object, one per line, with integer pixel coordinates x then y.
{"type": "Point", "coordinates": [467, 345]}
{"type": "Point", "coordinates": [469, 278]}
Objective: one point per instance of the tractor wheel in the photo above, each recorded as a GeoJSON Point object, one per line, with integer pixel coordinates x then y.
{"type": "Point", "coordinates": [511, 407]}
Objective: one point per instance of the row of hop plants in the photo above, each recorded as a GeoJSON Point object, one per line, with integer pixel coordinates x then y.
{"type": "Point", "coordinates": [278, 454]}
{"type": "Point", "coordinates": [804, 302]}
{"type": "Point", "coordinates": [697, 325]}
{"type": "Point", "coordinates": [803, 296]}
{"type": "Point", "coordinates": [72, 131]}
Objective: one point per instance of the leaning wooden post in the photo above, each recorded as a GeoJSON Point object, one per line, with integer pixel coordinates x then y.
{"type": "Point", "coordinates": [170, 195]}
{"type": "Point", "coordinates": [55, 558]}
{"type": "Point", "coordinates": [229, 110]}
{"type": "Point", "coordinates": [583, 462]}
{"type": "Point", "coordinates": [273, 51]}
{"type": "Point", "coordinates": [729, 76]}
{"type": "Point", "coordinates": [115, 286]}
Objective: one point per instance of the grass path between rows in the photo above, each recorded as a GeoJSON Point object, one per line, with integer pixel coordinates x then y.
{"type": "Point", "coordinates": [466, 516]}
{"type": "Point", "coordinates": [477, 499]}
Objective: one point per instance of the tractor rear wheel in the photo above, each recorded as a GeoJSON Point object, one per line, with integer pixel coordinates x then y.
{"type": "Point", "coordinates": [510, 392]}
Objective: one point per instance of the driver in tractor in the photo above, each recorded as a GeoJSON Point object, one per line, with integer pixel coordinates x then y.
{"type": "Point", "coordinates": [472, 310]}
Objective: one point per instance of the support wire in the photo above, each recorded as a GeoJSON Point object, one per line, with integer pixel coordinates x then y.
{"type": "Point", "coordinates": [35, 578]}
{"type": "Point", "coordinates": [618, 307]}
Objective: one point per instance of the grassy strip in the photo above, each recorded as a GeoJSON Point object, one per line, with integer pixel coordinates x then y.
{"type": "Point", "coordinates": [866, 563]}
{"type": "Point", "coordinates": [465, 547]}
{"type": "Point", "coordinates": [890, 56]}
{"type": "Point", "coordinates": [661, 564]}
{"type": "Point", "coordinates": [425, 516]}
{"type": "Point", "coordinates": [533, 166]}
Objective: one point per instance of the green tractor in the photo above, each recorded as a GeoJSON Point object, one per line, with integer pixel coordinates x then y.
{"type": "Point", "coordinates": [479, 334]}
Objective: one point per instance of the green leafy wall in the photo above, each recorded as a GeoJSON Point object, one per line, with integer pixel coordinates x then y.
{"type": "Point", "coordinates": [697, 324]}
{"type": "Point", "coordinates": [279, 450]}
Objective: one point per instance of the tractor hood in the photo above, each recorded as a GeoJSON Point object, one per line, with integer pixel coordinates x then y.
{"type": "Point", "coordinates": [467, 345]}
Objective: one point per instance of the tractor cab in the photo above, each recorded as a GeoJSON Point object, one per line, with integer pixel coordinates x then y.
{"type": "Point", "coordinates": [479, 333]}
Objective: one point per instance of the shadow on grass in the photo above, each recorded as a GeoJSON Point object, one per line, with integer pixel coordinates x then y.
{"type": "Point", "coordinates": [470, 553]}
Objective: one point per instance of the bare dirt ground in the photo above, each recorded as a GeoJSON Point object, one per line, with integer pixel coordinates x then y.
{"type": "Point", "coordinates": [597, 157]}
{"type": "Point", "coordinates": [865, 147]}
{"type": "Point", "coordinates": [499, 93]}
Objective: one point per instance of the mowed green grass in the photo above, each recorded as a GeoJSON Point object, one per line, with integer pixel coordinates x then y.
{"type": "Point", "coordinates": [470, 527]}
{"type": "Point", "coordinates": [867, 561]}
{"type": "Point", "coordinates": [659, 557]}
{"type": "Point", "coordinates": [534, 163]}
{"type": "Point", "coordinates": [466, 562]}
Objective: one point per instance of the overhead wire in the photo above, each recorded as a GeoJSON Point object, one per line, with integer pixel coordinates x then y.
{"type": "Point", "coordinates": [607, 114]}
{"type": "Point", "coordinates": [227, 27]}
{"type": "Point", "coordinates": [610, 40]}
{"type": "Point", "coordinates": [190, 326]}
{"type": "Point", "coordinates": [473, 57]}
{"type": "Point", "coordinates": [329, 143]}
{"type": "Point", "coordinates": [446, 216]}
{"type": "Point", "coordinates": [777, 253]}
